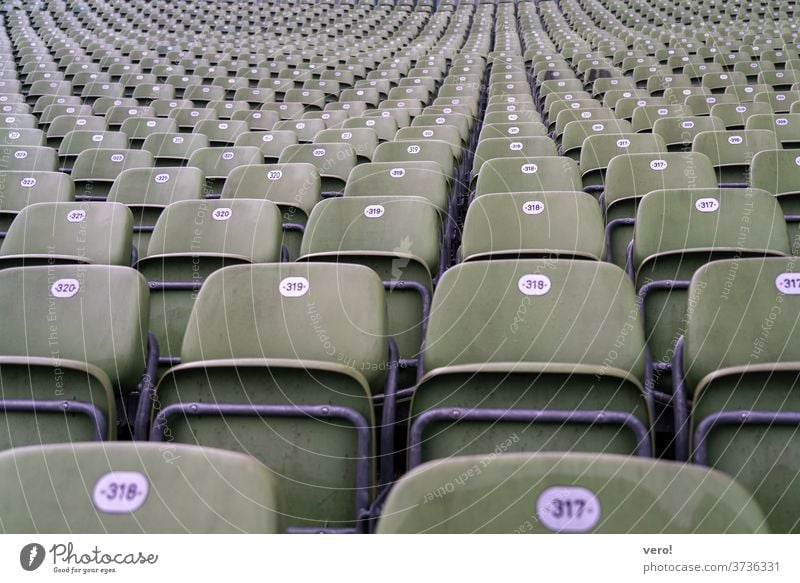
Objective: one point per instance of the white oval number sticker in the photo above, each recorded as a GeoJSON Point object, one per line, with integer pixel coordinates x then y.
{"type": "Point", "coordinates": [397, 172]}
{"type": "Point", "coordinates": [707, 205]}
{"type": "Point", "coordinates": [374, 211]}
{"type": "Point", "coordinates": [221, 214]}
{"type": "Point", "coordinates": [274, 175]}
{"type": "Point", "coordinates": [658, 164]}
{"type": "Point", "coordinates": [76, 216]}
{"type": "Point", "coordinates": [161, 178]}
{"type": "Point", "coordinates": [28, 182]}
{"type": "Point", "coordinates": [568, 509]}
{"type": "Point", "coordinates": [65, 288]}
{"type": "Point", "coordinates": [120, 492]}
{"type": "Point", "coordinates": [293, 287]}
{"type": "Point", "coordinates": [529, 168]}
{"type": "Point", "coordinates": [788, 283]}
{"type": "Point", "coordinates": [534, 284]}
{"type": "Point", "coordinates": [533, 207]}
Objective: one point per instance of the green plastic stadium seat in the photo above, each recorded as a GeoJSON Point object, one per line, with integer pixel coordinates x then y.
{"type": "Point", "coordinates": [69, 489]}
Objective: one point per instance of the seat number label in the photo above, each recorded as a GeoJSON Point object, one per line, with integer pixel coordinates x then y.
{"type": "Point", "coordinates": [293, 287]}
{"type": "Point", "coordinates": [533, 284]}
{"type": "Point", "coordinates": [568, 509]}
{"type": "Point", "coordinates": [120, 492]}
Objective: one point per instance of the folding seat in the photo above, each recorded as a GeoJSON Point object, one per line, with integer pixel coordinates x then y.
{"type": "Point", "coordinates": [217, 162]}
{"type": "Point", "coordinates": [491, 373]}
{"type": "Point", "coordinates": [179, 488]}
{"type": "Point", "coordinates": [52, 233]}
{"type": "Point", "coordinates": [427, 149]}
{"type": "Point", "coordinates": [419, 178]}
{"type": "Point", "coordinates": [227, 109]}
{"type": "Point", "coordinates": [333, 118]}
{"type": "Point", "coordinates": [598, 150]}
{"type": "Point", "coordinates": [138, 128]}
{"type": "Point", "coordinates": [96, 169]}
{"type": "Point", "coordinates": [678, 133]}
{"type": "Point", "coordinates": [21, 137]}
{"type": "Point", "coordinates": [576, 132]}
{"type": "Point", "coordinates": [398, 237]}
{"type": "Point", "coordinates": [659, 85]}
{"type": "Point", "coordinates": [701, 104]}
{"type": "Point", "coordinates": [556, 173]}
{"type": "Point", "coordinates": [735, 116]}
{"type": "Point", "coordinates": [310, 99]}
{"type": "Point", "coordinates": [364, 140]}
{"type": "Point", "coordinates": [221, 133]}
{"type": "Point", "coordinates": [147, 191]}
{"type": "Point", "coordinates": [202, 94]}
{"type": "Point", "coordinates": [181, 82]}
{"type": "Point", "coordinates": [117, 115]}
{"type": "Point", "coordinates": [779, 80]}
{"type": "Point", "coordinates": [28, 158]}
{"type": "Point", "coordinates": [401, 117]}
{"type": "Point", "coordinates": [514, 147]}
{"type": "Point", "coordinates": [285, 110]}
{"type": "Point", "coordinates": [526, 493]}
{"type": "Point", "coordinates": [645, 116]}
{"type": "Point", "coordinates": [333, 160]}
{"type": "Point", "coordinates": [677, 231]}
{"type": "Point", "coordinates": [71, 391]}
{"type": "Point", "coordinates": [565, 225]}
{"type": "Point", "coordinates": [163, 107]}
{"type": "Point", "coordinates": [755, 69]}
{"type": "Point", "coordinates": [94, 91]}
{"type": "Point", "coordinates": [744, 410]}
{"type": "Point", "coordinates": [778, 102]}
{"type": "Point", "coordinates": [458, 120]}
{"type": "Point", "coordinates": [188, 118]}
{"type": "Point", "coordinates": [63, 124]}
{"type": "Point", "coordinates": [146, 93]}
{"type": "Point", "coordinates": [45, 87]}
{"type": "Point", "coordinates": [130, 81]}
{"type": "Point", "coordinates": [77, 141]}
{"type": "Point", "coordinates": [511, 129]}
{"type": "Point", "coordinates": [256, 334]}
{"type": "Point", "coordinates": [629, 177]}
{"type": "Point", "coordinates": [445, 133]}
{"type": "Point", "coordinates": [271, 143]}
{"type": "Point", "coordinates": [295, 188]}
{"type": "Point", "coordinates": [173, 149]}
{"type": "Point", "coordinates": [21, 188]}
{"type": "Point", "coordinates": [257, 120]}
{"type": "Point", "coordinates": [746, 93]}
{"type": "Point", "coordinates": [598, 114]}
{"type": "Point", "coordinates": [731, 152]}
{"type": "Point", "coordinates": [304, 129]}
{"type": "Point", "coordinates": [718, 82]}
{"type": "Point", "coordinates": [192, 239]}
{"type": "Point", "coordinates": [785, 126]}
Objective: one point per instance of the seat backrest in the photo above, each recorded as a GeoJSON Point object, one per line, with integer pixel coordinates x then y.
{"type": "Point", "coordinates": [218, 162]}
{"type": "Point", "coordinates": [296, 184]}
{"type": "Point", "coordinates": [530, 493]}
{"type": "Point", "coordinates": [466, 326]}
{"type": "Point", "coordinates": [532, 175]}
{"type": "Point", "coordinates": [544, 224]}
{"type": "Point", "coordinates": [405, 226]}
{"type": "Point", "coordinates": [69, 232]}
{"type": "Point", "coordinates": [156, 187]}
{"type": "Point", "coordinates": [183, 488]}
{"type": "Point", "coordinates": [100, 310]}
{"type": "Point", "coordinates": [682, 221]}
{"type": "Point", "coordinates": [267, 314]}
{"type": "Point", "coordinates": [246, 229]}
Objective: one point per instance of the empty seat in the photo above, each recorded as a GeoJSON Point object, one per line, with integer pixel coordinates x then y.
{"type": "Point", "coordinates": [599, 149]}
{"type": "Point", "coordinates": [307, 350]}
{"type": "Point", "coordinates": [423, 179]}
{"type": "Point", "coordinates": [28, 158]}
{"type": "Point", "coordinates": [179, 489]}
{"type": "Point", "coordinates": [77, 141]}
{"type": "Point", "coordinates": [492, 373]}
{"type": "Point", "coordinates": [173, 149]}
{"type": "Point", "coordinates": [544, 493]}
{"type": "Point", "coordinates": [565, 225]}
{"type": "Point", "coordinates": [295, 188]}
{"type": "Point", "coordinates": [95, 170]}
{"type": "Point", "coordinates": [74, 351]}
{"type": "Point", "coordinates": [631, 176]}
{"type": "Point", "coordinates": [217, 163]}
{"type": "Point", "coordinates": [147, 191]}
{"type": "Point", "coordinates": [399, 238]}
{"type": "Point", "coordinates": [743, 384]}
{"type": "Point", "coordinates": [270, 142]}
{"type": "Point", "coordinates": [193, 238]}
{"type": "Point", "coordinates": [334, 161]}
{"type": "Point", "coordinates": [22, 188]}
{"type": "Point", "coordinates": [678, 133]}
{"type": "Point", "coordinates": [557, 173]}
{"type": "Point", "coordinates": [676, 232]}
{"type": "Point", "coordinates": [731, 152]}
{"type": "Point", "coordinates": [66, 232]}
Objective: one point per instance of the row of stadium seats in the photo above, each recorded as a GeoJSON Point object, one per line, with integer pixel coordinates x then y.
{"type": "Point", "coordinates": [368, 244]}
